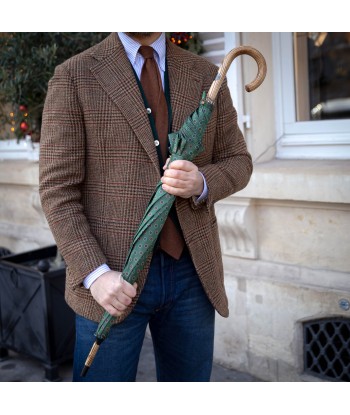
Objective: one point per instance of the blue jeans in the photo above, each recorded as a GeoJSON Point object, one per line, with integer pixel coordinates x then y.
{"type": "Point", "coordinates": [181, 321]}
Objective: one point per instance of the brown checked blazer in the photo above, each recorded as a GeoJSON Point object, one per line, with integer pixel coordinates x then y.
{"type": "Point", "coordinates": [99, 166]}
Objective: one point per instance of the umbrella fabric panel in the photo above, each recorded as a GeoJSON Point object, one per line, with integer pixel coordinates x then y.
{"type": "Point", "coordinates": [185, 144]}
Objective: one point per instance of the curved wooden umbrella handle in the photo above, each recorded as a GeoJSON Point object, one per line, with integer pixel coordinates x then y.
{"type": "Point", "coordinates": [241, 50]}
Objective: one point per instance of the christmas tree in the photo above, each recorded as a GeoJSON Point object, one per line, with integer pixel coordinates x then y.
{"type": "Point", "coordinates": [186, 40]}
{"type": "Point", "coordinates": [28, 61]}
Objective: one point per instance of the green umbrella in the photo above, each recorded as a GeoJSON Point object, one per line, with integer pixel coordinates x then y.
{"type": "Point", "coordinates": [185, 144]}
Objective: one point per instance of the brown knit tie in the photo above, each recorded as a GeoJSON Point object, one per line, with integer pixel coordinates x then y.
{"type": "Point", "coordinates": [171, 241]}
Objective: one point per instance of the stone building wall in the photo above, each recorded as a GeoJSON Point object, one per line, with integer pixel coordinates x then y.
{"type": "Point", "coordinates": [285, 243]}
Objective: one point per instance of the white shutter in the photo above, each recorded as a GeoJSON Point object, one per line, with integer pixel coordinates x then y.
{"type": "Point", "coordinates": [213, 46]}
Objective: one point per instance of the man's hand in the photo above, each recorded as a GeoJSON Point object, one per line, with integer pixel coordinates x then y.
{"type": "Point", "coordinates": [182, 178]}
{"type": "Point", "coordinates": [113, 293]}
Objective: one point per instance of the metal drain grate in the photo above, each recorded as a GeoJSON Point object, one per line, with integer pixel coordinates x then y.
{"type": "Point", "coordinates": [327, 348]}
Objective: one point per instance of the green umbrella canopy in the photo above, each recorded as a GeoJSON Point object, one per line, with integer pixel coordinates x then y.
{"type": "Point", "coordinates": [185, 144]}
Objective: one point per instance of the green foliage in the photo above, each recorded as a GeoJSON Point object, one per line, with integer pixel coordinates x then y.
{"type": "Point", "coordinates": [27, 62]}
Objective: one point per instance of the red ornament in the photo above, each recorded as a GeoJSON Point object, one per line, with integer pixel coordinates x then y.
{"type": "Point", "coordinates": [180, 37]}
{"type": "Point", "coordinates": [24, 126]}
{"type": "Point", "coordinates": [23, 108]}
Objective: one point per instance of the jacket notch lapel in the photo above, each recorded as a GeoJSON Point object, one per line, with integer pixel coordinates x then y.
{"type": "Point", "coordinates": [114, 73]}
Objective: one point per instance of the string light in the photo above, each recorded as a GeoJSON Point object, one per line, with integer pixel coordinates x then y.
{"type": "Point", "coordinates": [180, 38]}
{"type": "Point", "coordinates": [20, 117]}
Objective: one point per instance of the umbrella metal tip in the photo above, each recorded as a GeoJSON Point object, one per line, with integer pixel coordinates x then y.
{"type": "Point", "coordinates": [84, 371]}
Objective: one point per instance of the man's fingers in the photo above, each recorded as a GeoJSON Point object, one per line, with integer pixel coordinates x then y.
{"type": "Point", "coordinates": [176, 174]}
{"type": "Point", "coordinates": [176, 191]}
{"type": "Point", "coordinates": [113, 311]}
{"type": "Point", "coordinates": [113, 293]}
{"type": "Point", "coordinates": [124, 299]}
{"type": "Point", "coordinates": [118, 305]}
{"type": "Point", "coordinates": [172, 182]}
{"type": "Point", "coordinates": [128, 289]}
{"type": "Point", "coordinates": [182, 165]}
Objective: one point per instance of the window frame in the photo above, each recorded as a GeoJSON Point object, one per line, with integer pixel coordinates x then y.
{"type": "Point", "coordinates": [326, 139]}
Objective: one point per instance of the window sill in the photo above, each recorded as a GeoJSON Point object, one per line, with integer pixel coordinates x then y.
{"type": "Point", "coordinates": [325, 181]}
{"type": "Point", "coordinates": [19, 172]}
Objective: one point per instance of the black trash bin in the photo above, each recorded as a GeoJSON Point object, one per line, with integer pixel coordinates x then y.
{"type": "Point", "coordinates": [34, 317]}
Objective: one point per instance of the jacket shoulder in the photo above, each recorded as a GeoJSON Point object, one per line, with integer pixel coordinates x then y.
{"type": "Point", "coordinates": [84, 59]}
{"type": "Point", "coordinates": [191, 61]}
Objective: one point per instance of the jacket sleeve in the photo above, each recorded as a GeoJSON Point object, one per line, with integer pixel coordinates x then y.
{"type": "Point", "coordinates": [231, 166]}
{"type": "Point", "coordinates": [61, 177]}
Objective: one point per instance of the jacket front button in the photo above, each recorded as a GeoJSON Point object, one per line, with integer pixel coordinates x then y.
{"type": "Point", "coordinates": [156, 142]}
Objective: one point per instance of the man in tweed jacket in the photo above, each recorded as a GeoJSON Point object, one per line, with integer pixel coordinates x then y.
{"type": "Point", "coordinates": [98, 171]}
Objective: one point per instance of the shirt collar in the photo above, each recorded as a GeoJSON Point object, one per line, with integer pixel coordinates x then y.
{"type": "Point", "coordinates": [131, 47]}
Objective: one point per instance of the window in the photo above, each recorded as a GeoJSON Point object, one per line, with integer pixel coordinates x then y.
{"type": "Point", "coordinates": [312, 78]}
{"type": "Point", "coordinates": [322, 75]}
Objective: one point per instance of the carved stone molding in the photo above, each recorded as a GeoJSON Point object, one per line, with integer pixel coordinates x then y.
{"type": "Point", "coordinates": [237, 227]}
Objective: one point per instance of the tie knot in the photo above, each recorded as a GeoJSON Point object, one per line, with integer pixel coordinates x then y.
{"type": "Point", "coordinates": [146, 51]}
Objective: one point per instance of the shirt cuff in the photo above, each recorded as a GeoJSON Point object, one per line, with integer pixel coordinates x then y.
{"type": "Point", "coordinates": [204, 194]}
{"type": "Point", "coordinates": [95, 274]}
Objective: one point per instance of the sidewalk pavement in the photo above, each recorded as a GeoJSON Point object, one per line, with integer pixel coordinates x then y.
{"type": "Point", "coordinates": [18, 368]}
